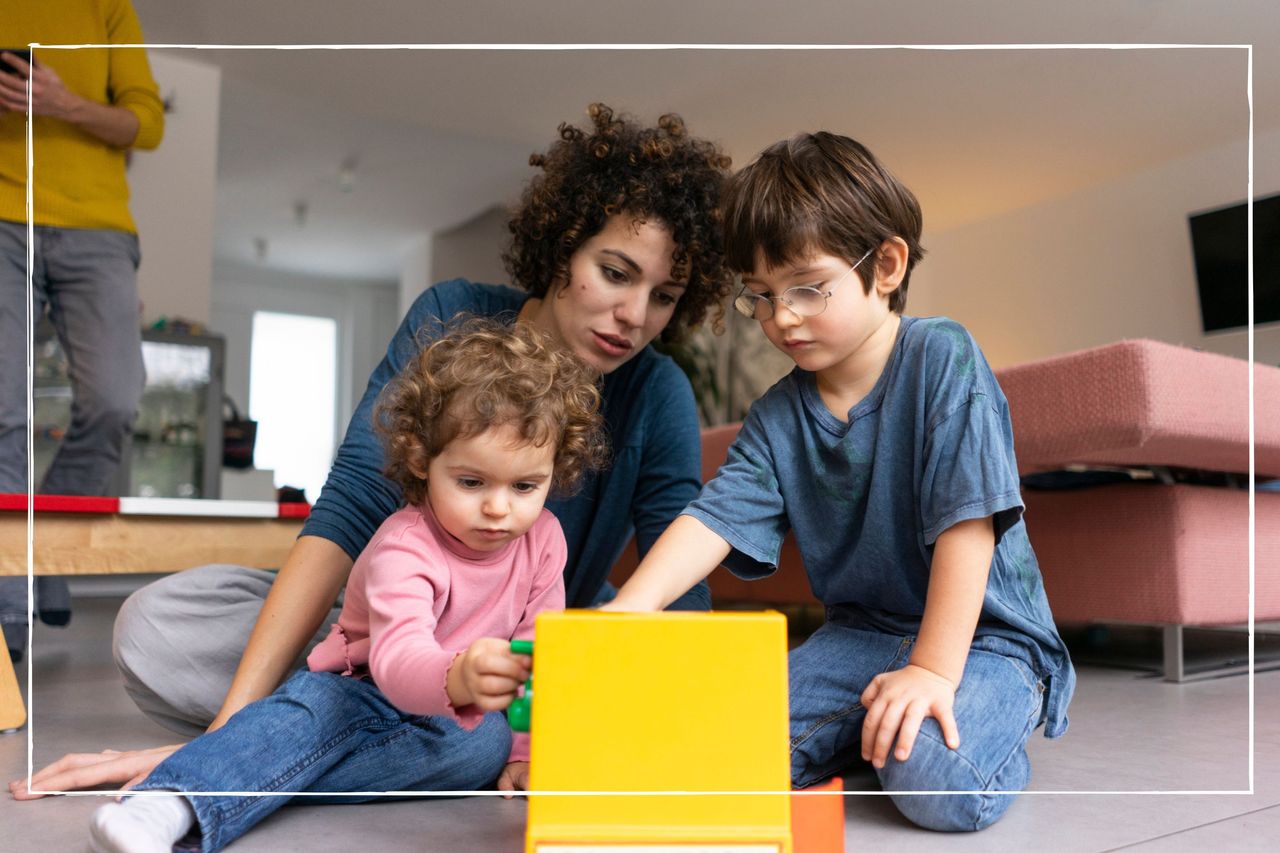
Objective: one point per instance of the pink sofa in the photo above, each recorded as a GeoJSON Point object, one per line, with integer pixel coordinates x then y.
{"type": "Point", "coordinates": [1167, 552]}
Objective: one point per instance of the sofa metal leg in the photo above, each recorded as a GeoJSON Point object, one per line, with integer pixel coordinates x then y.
{"type": "Point", "coordinates": [1173, 656]}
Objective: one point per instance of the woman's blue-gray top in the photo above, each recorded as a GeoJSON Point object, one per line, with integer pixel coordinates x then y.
{"type": "Point", "coordinates": [656, 453]}
{"type": "Point", "coordinates": [930, 446]}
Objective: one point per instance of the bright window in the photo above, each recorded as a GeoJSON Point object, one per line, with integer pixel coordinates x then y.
{"type": "Point", "coordinates": [292, 390]}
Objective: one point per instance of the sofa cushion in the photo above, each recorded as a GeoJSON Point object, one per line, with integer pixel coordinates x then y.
{"type": "Point", "coordinates": [1146, 552]}
{"type": "Point", "coordinates": [1142, 402]}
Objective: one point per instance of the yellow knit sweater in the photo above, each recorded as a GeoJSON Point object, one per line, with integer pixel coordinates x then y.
{"type": "Point", "coordinates": [79, 181]}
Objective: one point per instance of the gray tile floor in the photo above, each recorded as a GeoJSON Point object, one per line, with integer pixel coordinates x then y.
{"type": "Point", "coordinates": [1129, 733]}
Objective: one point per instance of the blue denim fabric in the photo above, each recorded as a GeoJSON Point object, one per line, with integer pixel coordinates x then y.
{"type": "Point", "coordinates": [324, 732]}
{"type": "Point", "coordinates": [999, 703]}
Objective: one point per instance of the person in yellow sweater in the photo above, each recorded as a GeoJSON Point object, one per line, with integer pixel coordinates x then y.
{"type": "Point", "coordinates": [88, 107]}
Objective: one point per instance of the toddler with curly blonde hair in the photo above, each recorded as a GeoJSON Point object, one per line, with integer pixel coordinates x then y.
{"type": "Point", "coordinates": [406, 691]}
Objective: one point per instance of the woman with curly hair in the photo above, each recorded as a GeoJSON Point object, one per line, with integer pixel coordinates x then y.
{"type": "Point", "coordinates": [479, 427]}
{"type": "Point", "coordinates": [617, 241]}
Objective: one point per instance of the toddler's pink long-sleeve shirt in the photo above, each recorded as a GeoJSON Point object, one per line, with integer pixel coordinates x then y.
{"type": "Point", "coordinates": [417, 597]}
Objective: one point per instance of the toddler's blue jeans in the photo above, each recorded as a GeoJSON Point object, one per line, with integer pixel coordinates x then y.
{"type": "Point", "coordinates": [321, 732]}
{"type": "Point", "coordinates": [998, 704]}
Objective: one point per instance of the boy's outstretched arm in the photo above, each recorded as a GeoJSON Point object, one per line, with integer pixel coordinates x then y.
{"type": "Point", "coordinates": [685, 553]}
{"type": "Point", "coordinates": [898, 702]}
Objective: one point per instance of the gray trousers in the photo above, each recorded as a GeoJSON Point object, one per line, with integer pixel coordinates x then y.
{"type": "Point", "coordinates": [88, 280]}
{"type": "Point", "coordinates": [178, 641]}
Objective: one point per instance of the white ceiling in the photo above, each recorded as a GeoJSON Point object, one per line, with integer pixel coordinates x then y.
{"type": "Point", "coordinates": [440, 135]}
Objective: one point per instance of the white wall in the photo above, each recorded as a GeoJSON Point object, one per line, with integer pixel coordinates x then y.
{"type": "Point", "coordinates": [415, 272]}
{"type": "Point", "coordinates": [366, 312]}
{"type": "Point", "coordinates": [472, 250]}
{"type": "Point", "coordinates": [1103, 264]}
{"type": "Point", "coordinates": [173, 191]}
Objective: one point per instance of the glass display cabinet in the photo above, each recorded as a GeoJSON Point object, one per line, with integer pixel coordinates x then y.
{"type": "Point", "coordinates": [176, 450]}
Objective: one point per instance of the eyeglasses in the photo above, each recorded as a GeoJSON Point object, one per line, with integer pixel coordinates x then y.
{"type": "Point", "coordinates": [805, 300]}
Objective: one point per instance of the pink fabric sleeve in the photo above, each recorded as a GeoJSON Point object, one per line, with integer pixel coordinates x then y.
{"type": "Point", "coordinates": [406, 662]}
{"type": "Point", "coordinates": [547, 593]}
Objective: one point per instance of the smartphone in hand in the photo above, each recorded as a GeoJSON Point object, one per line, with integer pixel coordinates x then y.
{"type": "Point", "coordinates": [23, 53]}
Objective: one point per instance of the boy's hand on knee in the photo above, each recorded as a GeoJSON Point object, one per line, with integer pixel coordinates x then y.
{"type": "Point", "coordinates": [486, 675]}
{"type": "Point", "coordinates": [897, 704]}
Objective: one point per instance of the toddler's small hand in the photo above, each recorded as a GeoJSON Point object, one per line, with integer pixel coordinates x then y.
{"type": "Point", "coordinates": [515, 777]}
{"type": "Point", "coordinates": [487, 675]}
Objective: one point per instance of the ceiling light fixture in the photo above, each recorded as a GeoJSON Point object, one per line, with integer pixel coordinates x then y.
{"type": "Point", "coordinates": [347, 174]}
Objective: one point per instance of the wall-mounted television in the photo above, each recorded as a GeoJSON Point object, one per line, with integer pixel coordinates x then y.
{"type": "Point", "coordinates": [1219, 242]}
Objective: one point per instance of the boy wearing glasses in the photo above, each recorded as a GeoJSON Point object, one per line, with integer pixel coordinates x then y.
{"type": "Point", "coordinates": [889, 452]}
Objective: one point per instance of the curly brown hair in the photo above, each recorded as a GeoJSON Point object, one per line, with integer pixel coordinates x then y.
{"type": "Point", "coordinates": [658, 174]}
{"type": "Point", "coordinates": [481, 373]}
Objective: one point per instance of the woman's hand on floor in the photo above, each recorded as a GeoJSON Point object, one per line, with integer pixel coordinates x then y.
{"type": "Point", "coordinates": [81, 770]}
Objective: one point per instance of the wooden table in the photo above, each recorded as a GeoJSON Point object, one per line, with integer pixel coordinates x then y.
{"type": "Point", "coordinates": [94, 536]}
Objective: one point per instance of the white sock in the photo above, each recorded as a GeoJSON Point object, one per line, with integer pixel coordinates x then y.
{"type": "Point", "coordinates": [141, 825]}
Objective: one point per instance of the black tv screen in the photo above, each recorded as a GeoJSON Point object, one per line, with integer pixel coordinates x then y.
{"type": "Point", "coordinates": [1219, 241]}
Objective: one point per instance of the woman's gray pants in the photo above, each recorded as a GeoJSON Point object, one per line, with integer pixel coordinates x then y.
{"type": "Point", "coordinates": [178, 641]}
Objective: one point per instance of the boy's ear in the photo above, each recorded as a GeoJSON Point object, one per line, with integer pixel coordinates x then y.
{"type": "Point", "coordinates": [891, 265]}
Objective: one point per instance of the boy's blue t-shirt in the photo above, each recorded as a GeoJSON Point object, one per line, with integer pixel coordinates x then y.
{"type": "Point", "coordinates": [655, 463]}
{"type": "Point", "coordinates": [930, 446]}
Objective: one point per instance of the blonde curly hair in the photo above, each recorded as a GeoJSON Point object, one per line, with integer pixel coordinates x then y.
{"type": "Point", "coordinates": [482, 373]}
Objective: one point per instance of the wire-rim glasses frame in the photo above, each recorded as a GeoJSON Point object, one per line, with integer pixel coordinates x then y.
{"type": "Point", "coordinates": [803, 300]}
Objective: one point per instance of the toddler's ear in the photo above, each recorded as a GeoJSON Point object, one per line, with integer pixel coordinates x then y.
{"type": "Point", "coordinates": [891, 264]}
{"type": "Point", "coordinates": [417, 462]}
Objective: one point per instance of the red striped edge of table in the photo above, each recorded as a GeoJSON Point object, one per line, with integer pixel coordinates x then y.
{"type": "Point", "coordinates": [157, 506]}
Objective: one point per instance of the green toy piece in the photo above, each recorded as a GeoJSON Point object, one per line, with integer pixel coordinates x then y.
{"type": "Point", "coordinates": [520, 712]}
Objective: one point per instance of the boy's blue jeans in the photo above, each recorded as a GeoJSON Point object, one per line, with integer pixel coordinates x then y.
{"type": "Point", "coordinates": [324, 732]}
{"type": "Point", "coordinates": [999, 703]}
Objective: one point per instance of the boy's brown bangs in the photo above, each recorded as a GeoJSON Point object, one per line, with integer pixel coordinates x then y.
{"type": "Point", "coordinates": [760, 219]}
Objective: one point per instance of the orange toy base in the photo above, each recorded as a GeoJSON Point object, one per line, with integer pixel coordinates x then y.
{"type": "Point", "coordinates": [817, 819]}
